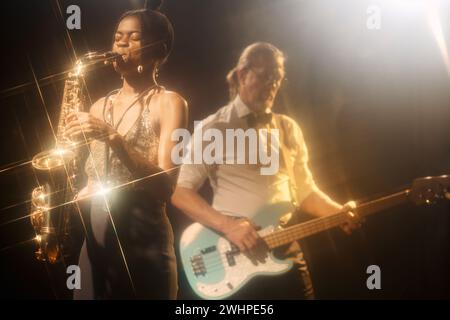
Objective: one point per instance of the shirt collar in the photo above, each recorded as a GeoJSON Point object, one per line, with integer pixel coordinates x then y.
{"type": "Point", "coordinates": [241, 108]}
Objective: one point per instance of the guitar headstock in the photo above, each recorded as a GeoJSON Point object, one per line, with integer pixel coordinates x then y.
{"type": "Point", "coordinates": [429, 190]}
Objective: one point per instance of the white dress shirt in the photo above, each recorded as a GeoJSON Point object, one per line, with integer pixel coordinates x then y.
{"type": "Point", "coordinates": [241, 189]}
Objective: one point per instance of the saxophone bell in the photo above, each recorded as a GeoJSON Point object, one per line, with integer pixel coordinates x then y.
{"type": "Point", "coordinates": [48, 244]}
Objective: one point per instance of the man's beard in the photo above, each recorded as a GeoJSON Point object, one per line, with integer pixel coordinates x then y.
{"type": "Point", "coordinates": [266, 104]}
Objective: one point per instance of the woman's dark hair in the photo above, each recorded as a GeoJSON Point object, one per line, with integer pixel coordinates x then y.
{"type": "Point", "coordinates": [157, 32]}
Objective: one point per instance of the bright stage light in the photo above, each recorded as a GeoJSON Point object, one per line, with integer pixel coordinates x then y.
{"type": "Point", "coordinates": [435, 24]}
{"type": "Point", "coordinates": [103, 191]}
{"type": "Point", "coordinates": [60, 152]}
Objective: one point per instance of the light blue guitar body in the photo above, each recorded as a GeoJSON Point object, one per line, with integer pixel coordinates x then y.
{"type": "Point", "coordinates": [216, 269]}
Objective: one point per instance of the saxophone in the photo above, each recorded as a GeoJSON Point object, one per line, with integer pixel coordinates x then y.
{"type": "Point", "coordinates": [58, 171]}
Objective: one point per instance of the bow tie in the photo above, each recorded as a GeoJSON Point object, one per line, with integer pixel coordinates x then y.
{"type": "Point", "coordinates": [253, 119]}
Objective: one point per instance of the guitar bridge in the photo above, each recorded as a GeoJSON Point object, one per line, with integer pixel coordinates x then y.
{"type": "Point", "coordinates": [198, 265]}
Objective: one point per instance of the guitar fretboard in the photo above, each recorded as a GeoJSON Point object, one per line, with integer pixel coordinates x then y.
{"type": "Point", "coordinates": [303, 230]}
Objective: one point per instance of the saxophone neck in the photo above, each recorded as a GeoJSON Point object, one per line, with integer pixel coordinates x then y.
{"type": "Point", "coordinates": [73, 97]}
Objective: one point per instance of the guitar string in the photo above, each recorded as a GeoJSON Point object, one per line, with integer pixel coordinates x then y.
{"type": "Point", "coordinates": [290, 234]}
{"type": "Point", "coordinates": [214, 266]}
{"type": "Point", "coordinates": [286, 236]}
{"type": "Point", "coordinates": [281, 238]}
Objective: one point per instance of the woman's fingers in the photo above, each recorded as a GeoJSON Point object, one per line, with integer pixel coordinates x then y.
{"type": "Point", "coordinates": [80, 132]}
{"type": "Point", "coordinates": [78, 118]}
{"type": "Point", "coordinates": [71, 116]}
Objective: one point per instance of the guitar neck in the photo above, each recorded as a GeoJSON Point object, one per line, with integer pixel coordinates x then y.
{"type": "Point", "coordinates": [306, 229]}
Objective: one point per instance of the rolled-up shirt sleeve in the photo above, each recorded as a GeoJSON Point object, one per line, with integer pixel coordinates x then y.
{"type": "Point", "coordinates": [192, 176]}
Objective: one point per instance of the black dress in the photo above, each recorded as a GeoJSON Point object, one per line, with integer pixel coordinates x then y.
{"type": "Point", "coordinates": [128, 252]}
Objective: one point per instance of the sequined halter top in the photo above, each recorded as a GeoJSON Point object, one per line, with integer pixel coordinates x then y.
{"type": "Point", "coordinates": [142, 136]}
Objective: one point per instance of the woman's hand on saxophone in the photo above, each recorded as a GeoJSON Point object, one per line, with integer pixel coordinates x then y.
{"type": "Point", "coordinates": [84, 126]}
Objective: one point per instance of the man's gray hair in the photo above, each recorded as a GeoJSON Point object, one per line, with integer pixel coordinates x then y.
{"type": "Point", "coordinates": [247, 56]}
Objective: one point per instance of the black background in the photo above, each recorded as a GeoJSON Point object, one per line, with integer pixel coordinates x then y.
{"type": "Point", "coordinates": [374, 106]}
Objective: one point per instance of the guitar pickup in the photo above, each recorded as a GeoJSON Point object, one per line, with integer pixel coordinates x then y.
{"type": "Point", "coordinates": [208, 250]}
{"type": "Point", "coordinates": [234, 249]}
{"type": "Point", "coordinates": [230, 258]}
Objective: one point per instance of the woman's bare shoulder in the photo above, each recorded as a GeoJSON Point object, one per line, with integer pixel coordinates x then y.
{"type": "Point", "coordinates": [171, 102]}
{"type": "Point", "coordinates": [172, 108]}
{"type": "Point", "coordinates": [167, 97]}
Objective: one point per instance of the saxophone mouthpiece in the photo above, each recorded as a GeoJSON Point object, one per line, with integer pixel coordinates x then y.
{"type": "Point", "coordinates": [105, 57]}
{"type": "Point", "coordinates": [110, 57]}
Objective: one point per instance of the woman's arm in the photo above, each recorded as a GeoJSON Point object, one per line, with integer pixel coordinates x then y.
{"type": "Point", "coordinates": [173, 115]}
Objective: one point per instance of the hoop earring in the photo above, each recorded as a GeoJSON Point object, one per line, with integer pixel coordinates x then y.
{"type": "Point", "coordinates": [140, 69]}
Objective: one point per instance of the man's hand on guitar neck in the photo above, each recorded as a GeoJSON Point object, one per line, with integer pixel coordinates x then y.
{"type": "Point", "coordinates": [354, 221]}
{"type": "Point", "coordinates": [318, 204]}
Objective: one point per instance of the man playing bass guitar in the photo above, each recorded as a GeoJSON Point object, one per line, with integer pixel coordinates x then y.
{"type": "Point", "coordinates": [240, 190]}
